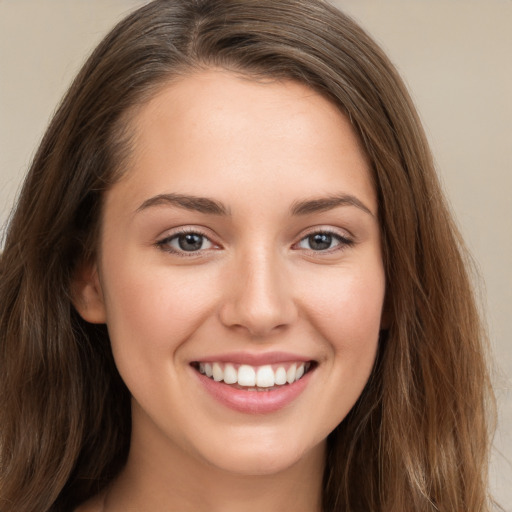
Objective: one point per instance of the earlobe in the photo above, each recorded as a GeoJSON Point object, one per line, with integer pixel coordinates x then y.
{"type": "Point", "coordinates": [87, 295]}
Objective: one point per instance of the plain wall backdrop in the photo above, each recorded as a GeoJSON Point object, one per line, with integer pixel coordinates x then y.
{"type": "Point", "coordinates": [455, 56]}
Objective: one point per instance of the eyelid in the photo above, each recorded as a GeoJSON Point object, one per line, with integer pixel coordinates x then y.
{"type": "Point", "coordinates": [344, 239]}
{"type": "Point", "coordinates": [163, 242]}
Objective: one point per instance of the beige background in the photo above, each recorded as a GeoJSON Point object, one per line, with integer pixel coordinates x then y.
{"type": "Point", "coordinates": [455, 55]}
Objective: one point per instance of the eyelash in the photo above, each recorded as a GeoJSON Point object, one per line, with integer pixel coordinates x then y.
{"type": "Point", "coordinates": [164, 244]}
{"type": "Point", "coordinates": [343, 241]}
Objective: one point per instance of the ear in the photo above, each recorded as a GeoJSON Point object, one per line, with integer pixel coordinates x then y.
{"type": "Point", "coordinates": [87, 295]}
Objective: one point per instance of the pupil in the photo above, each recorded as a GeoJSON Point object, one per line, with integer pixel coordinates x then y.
{"type": "Point", "coordinates": [190, 242]}
{"type": "Point", "coordinates": [320, 241]}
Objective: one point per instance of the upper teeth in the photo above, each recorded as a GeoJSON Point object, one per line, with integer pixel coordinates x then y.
{"type": "Point", "coordinates": [245, 375]}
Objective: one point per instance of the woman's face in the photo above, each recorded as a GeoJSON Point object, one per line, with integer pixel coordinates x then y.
{"type": "Point", "coordinates": [243, 240]}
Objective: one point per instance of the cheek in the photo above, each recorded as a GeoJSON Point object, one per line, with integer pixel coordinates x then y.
{"type": "Point", "coordinates": [346, 307]}
{"type": "Point", "coordinates": [349, 320]}
{"type": "Point", "coordinates": [150, 308]}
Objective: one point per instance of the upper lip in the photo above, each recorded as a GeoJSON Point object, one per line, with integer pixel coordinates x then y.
{"type": "Point", "coordinates": [254, 359]}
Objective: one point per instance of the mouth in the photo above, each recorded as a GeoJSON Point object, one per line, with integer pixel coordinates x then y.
{"type": "Point", "coordinates": [264, 378]}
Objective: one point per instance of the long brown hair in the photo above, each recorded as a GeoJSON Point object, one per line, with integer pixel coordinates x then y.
{"type": "Point", "coordinates": [418, 437]}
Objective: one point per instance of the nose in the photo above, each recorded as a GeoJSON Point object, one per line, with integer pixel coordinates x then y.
{"type": "Point", "coordinates": [258, 298]}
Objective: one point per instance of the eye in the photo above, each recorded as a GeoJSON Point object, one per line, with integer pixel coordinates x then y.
{"type": "Point", "coordinates": [186, 242]}
{"type": "Point", "coordinates": [323, 241]}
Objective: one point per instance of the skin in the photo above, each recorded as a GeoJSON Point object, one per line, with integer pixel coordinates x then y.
{"type": "Point", "coordinates": [256, 286]}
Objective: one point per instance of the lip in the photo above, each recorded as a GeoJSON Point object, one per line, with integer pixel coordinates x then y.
{"type": "Point", "coordinates": [254, 359]}
{"type": "Point", "coordinates": [255, 402]}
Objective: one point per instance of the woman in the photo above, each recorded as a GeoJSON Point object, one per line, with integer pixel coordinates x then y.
{"type": "Point", "coordinates": [231, 281]}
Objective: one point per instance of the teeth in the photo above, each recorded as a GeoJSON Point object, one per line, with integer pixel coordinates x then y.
{"type": "Point", "coordinates": [265, 377]}
{"type": "Point", "coordinates": [280, 377]}
{"type": "Point", "coordinates": [246, 376]}
{"type": "Point", "coordinates": [254, 378]}
{"type": "Point", "coordinates": [230, 374]}
{"type": "Point", "coordinates": [290, 374]}
{"type": "Point", "coordinates": [217, 372]}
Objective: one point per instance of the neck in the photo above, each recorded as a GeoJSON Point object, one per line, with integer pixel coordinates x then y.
{"type": "Point", "coordinates": [162, 477]}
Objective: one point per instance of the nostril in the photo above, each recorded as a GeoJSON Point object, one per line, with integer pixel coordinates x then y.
{"type": "Point", "coordinates": [258, 300]}
{"type": "Point", "coordinates": [260, 321]}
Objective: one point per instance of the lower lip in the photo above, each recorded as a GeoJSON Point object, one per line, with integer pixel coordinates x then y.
{"type": "Point", "coordinates": [254, 402]}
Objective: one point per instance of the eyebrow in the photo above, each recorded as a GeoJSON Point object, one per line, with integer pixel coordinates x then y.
{"type": "Point", "coordinates": [213, 207]}
{"type": "Point", "coordinates": [194, 203]}
{"type": "Point", "coordinates": [328, 203]}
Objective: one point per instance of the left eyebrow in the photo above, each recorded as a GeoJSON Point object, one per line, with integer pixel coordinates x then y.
{"type": "Point", "coordinates": [322, 204]}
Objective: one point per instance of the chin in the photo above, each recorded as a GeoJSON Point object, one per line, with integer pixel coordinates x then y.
{"type": "Point", "coordinates": [261, 457]}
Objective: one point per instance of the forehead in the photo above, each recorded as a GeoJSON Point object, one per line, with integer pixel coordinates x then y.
{"type": "Point", "coordinates": [210, 129]}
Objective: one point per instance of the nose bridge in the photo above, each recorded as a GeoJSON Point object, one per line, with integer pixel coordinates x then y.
{"type": "Point", "coordinates": [259, 297]}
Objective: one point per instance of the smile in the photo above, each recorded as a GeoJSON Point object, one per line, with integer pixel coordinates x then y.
{"type": "Point", "coordinates": [255, 384]}
{"type": "Point", "coordinates": [254, 378]}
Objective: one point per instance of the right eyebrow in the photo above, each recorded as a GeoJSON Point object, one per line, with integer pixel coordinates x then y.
{"type": "Point", "coordinates": [187, 202]}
